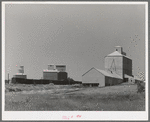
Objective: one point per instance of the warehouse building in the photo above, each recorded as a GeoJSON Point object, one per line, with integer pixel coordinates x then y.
{"type": "Point", "coordinates": [118, 69]}
{"type": "Point", "coordinates": [101, 78]}
{"type": "Point", "coordinates": [55, 72]}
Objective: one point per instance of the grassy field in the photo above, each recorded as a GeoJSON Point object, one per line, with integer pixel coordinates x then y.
{"type": "Point", "coordinates": [122, 97]}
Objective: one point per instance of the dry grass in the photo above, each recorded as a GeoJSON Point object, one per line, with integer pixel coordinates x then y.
{"type": "Point", "coordinates": [70, 98]}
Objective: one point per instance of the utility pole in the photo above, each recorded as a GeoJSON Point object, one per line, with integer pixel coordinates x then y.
{"type": "Point", "coordinates": [8, 77]}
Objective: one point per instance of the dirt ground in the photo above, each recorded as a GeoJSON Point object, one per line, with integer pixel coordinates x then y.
{"type": "Point", "coordinates": [122, 97]}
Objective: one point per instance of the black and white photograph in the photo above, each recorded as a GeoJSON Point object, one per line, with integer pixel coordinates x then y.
{"type": "Point", "coordinates": [74, 60]}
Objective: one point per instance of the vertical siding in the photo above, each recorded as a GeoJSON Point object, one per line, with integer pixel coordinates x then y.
{"type": "Point", "coordinates": [119, 65]}
{"type": "Point", "coordinates": [116, 63]}
{"type": "Point", "coordinates": [61, 68]}
{"type": "Point", "coordinates": [21, 76]}
{"type": "Point", "coordinates": [127, 66]}
{"type": "Point", "coordinates": [51, 67]}
{"type": "Point", "coordinates": [92, 77]}
{"type": "Point", "coordinates": [110, 81]}
{"type": "Point", "coordinates": [62, 76]}
{"type": "Point", "coordinates": [50, 75]}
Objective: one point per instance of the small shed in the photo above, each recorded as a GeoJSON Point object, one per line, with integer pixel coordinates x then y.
{"type": "Point", "coordinates": [129, 79]}
{"type": "Point", "coordinates": [100, 78]}
{"type": "Point", "coordinates": [137, 79]}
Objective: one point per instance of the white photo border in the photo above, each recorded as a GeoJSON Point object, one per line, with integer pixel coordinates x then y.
{"type": "Point", "coordinates": [85, 115]}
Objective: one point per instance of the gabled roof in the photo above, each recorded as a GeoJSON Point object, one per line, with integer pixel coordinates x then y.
{"type": "Point", "coordinates": [137, 78]}
{"type": "Point", "coordinates": [127, 76]}
{"type": "Point", "coordinates": [116, 53]}
{"type": "Point", "coordinates": [88, 71]}
{"type": "Point", "coordinates": [105, 73]}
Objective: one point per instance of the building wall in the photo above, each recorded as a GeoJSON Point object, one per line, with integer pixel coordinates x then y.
{"type": "Point", "coordinates": [61, 68]}
{"type": "Point", "coordinates": [51, 67]}
{"type": "Point", "coordinates": [93, 77]}
{"type": "Point", "coordinates": [109, 81]}
{"type": "Point", "coordinates": [50, 75]}
{"type": "Point", "coordinates": [114, 64]}
{"type": "Point", "coordinates": [21, 69]}
{"type": "Point", "coordinates": [20, 76]}
{"type": "Point", "coordinates": [62, 76]}
{"type": "Point", "coordinates": [127, 66]}
{"type": "Point", "coordinates": [131, 80]}
{"type": "Point", "coordinates": [119, 49]}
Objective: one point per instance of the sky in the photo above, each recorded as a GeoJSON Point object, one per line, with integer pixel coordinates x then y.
{"type": "Point", "coordinates": [79, 36]}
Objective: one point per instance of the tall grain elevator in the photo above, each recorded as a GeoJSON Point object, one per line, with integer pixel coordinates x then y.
{"type": "Point", "coordinates": [20, 73]}
{"type": "Point", "coordinates": [118, 69]}
{"type": "Point", "coordinates": [118, 62]}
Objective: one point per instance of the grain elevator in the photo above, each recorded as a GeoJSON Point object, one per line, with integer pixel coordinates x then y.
{"type": "Point", "coordinates": [118, 68]}
{"type": "Point", "coordinates": [55, 72]}
{"type": "Point", "coordinates": [20, 73]}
